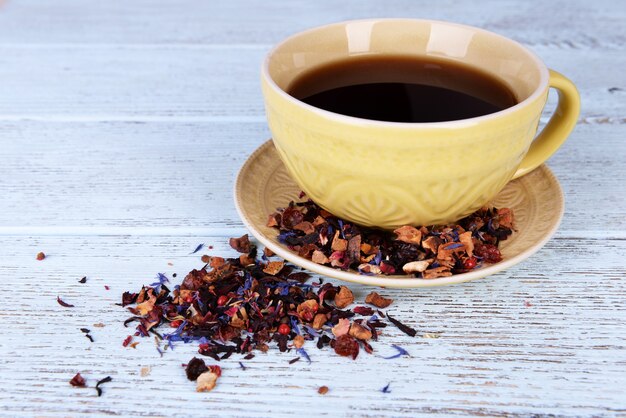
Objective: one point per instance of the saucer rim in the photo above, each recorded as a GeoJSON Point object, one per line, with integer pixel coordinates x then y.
{"type": "Point", "coordinates": [391, 281]}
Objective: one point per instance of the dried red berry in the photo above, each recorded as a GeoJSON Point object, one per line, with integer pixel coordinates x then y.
{"type": "Point", "coordinates": [284, 329]}
{"type": "Point", "coordinates": [346, 346]}
{"type": "Point", "coordinates": [195, 368]}
{"type": "Point", "coordinates": [221, 301]}
{"type": "Point", "coordinates": [176, 323]}
{"type": "Point", "coordinates": [469, 263]}
{"type": "Point", "coordinates": [40, 256]}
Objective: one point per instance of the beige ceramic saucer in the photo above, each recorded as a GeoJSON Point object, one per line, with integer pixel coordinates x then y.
{"type": "Point", "coordinates": [263, 185]}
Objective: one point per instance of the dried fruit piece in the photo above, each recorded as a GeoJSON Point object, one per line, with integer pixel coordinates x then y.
{"type": "Point", "coordinates": [319, 321]}
{"type": "Point", "coordinates": [319, 257]}
{"type": "Point", "coordinates": [206, 381]}
{"type": "Point", "coordinates": [416, 266]}
{"type": "Point", "coordinates": [307, 310]}
{"type": "Point", "coordinates": [342, 327]}
{"type": "Point", "coordinates": [298, 341]}
{"type": "Point", "coordinates": [377, 300]}
{"type": "Point", "coordinates": [344, 297]}
{"type": "Point", "coordinates": [273, 267]}
{"type": "Point", "coordinates": [359, 332]}
{"type": "Point", "coordinates": [408, 234]}
{"type": "Point", "coordinates": [78, 381]}
{"type": "Point", "coordinates": [339, 244]}
{"type": "Point", "coordinates": [241, 244]}
{"type": "Point", "coordinates": [466, 239]}
{"type": "Point", "coordinates": [322, 390]}
{"type": "Point", "coordinates": [40, 256]}
{"type": "Point", "coordinates": [437, 272]}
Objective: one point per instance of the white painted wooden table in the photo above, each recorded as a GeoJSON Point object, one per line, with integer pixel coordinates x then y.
{"type": "Point", "coordinates": [122, 125]}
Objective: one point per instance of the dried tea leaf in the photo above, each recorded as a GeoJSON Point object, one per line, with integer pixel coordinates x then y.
{"type": "Point", "coordinates": [402, 327]}
{"type": "Point", "coordinates": [100, 382]}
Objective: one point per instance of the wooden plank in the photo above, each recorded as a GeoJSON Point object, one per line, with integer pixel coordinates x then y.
{"type": "Point", "coordinates": [564, 24]}
{"type": "Point", "coordinates": [133, 83]}
{"type": "Point", "coordinates": [532, 340]}
{"type": "Point", "coordinates": [144, 177]}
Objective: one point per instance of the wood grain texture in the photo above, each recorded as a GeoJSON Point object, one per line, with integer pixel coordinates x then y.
{"type": "Point", "coordinates": [180, 175]}
{"type": "Point", "coordinates": [564, 24]}
{"type": "Point", "coordinates": [122, 126]}
{"type": "Point", "coordinates": [180, 83]}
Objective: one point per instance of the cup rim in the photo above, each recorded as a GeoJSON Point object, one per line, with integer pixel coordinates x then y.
{"type": "Point", "coordinates": [338, 117]}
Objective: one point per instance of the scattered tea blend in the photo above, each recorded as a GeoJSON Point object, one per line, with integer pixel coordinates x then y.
{"type": "Point", "coordinates": [423, 252]}
{"type": "Point", "coordinates": [235, 306]}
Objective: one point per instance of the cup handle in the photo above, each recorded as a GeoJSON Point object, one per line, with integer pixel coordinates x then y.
{"type": "Point", "coordinates": [558, 128]}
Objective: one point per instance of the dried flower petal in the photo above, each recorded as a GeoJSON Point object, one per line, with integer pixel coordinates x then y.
{"type": "Point", "coordinates": [64, 304]}
{"type": "Point", "coordinates": [198, 248]}
{"type": "Point", "coordinates": [363, 310]}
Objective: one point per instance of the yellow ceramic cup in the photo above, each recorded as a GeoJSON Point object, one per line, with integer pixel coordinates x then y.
{"type": "Point", "coordinates": [388, 174]}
